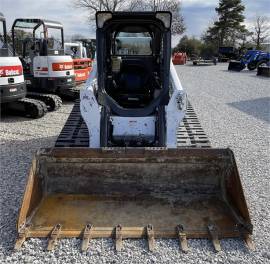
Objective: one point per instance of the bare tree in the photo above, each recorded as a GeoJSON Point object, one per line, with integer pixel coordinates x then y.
{"type": "Point", "coordinates": [174, 6]}
{"type": "Point", "coordinates": [92, 6]}
{"type": "Point", "coordinates": [261, 30]}
{"type": "Point", "coordinates": [101, 5]}
{"type": "Point", "coordinates": [75, 37]}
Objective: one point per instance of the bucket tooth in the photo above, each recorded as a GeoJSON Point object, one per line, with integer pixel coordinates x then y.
{"type": "Point", "coordinates": [213, 232]}
{"type": "Point", "coordinates": [86, 237]}
{"type": "Point", "coordinates": [150, 237]}
{"type": "Point", "coordinates": [182, 238]}
{"type": "Point", "coordinates": [118, 238]}
{"type": "Point", "coordinates": [243, 229]}
{"type": "Point", "coordinates": [22, 235]}
{"type": "Point", "coordinates": [249, 242]}
{"type": "Point", "coordinates": [54, 236]}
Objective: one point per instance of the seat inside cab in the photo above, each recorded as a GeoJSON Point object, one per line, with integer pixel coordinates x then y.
{"type": "Point", "coordinates": [133, 66]}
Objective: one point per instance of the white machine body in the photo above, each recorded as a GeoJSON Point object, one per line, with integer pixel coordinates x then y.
{"type": "Point", "coordinates": [11, 67]}
{"type": "Point", "coordinates": [142, 127]}
{"type": "Point", "coordinates": [53, 66]}
{"type": "Point", "coordinates": [75, 49]}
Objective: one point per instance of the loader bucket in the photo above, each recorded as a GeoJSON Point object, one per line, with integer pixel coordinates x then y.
{"type": "Point", "coordinates": [133, 193]}
{"type": "Point", "coordinates": [236, 66]}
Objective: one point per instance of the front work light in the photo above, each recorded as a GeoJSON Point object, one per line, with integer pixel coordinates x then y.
{"type": "Point", "coordinates": [102, 17]}
{"type": "Point", "coordinates": [165, 17]}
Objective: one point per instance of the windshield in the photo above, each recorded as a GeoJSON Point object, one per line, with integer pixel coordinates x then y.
{"type": "Point", "coordinates": [129, 43]}
{"type": "Point", "coordinates": [54, 39]}
{"type": "Point", "coordinates": [43, 39]}
{"type": "Point", "coordinates": [53, 35]}
{"type": "Point", "coordinates": [2, 39]}
{"type": "Point", "coordinates": [22, 37]}
{"type": "Point", "coordinates": [72, 50]}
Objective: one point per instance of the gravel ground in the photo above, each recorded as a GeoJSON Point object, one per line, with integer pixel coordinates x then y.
{"type": "Point", "coordinates": [234, 111]}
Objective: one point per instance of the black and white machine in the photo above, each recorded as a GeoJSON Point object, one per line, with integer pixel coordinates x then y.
{"type": "Point", "coordinates": [133, 96]}
{"type": "Point", "coordinates": [11, 72]}
{"type": "Point", "coordinates": [12, 83]}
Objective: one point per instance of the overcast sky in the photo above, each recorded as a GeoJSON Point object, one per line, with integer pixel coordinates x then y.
{"type": "Point", "coordinates": [198, 14]}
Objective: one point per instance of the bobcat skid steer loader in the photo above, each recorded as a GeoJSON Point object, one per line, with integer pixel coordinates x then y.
{"type": "Point", "coordinates": [131, 180]}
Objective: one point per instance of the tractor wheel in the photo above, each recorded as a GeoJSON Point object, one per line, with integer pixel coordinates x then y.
{"type": "Point", "coordinates": [252, 65]}
{"type": "Point", "coordinates": [263, 63]}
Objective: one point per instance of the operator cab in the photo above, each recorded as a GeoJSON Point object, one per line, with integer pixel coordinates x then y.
{"type": "Point", "coordinates": [36, 37]}
{"type": "Point", "coordinates": [3, 37]}
{"type": "Point", "coordinates": [40, 45]}
{"type": "Point", "coordinates": [133, 80]}
{"type": "Point", "coordinates": [134, 64]}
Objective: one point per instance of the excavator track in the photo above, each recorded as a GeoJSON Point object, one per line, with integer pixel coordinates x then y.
{"type": "Point", "coordinates": [71, 93]}
{"type": "Point", "coordinates": [75, 133]}
{"type": "Point", "coordinates": [27, 107]}
{"type": "Point", "coordinates": [52, 101]}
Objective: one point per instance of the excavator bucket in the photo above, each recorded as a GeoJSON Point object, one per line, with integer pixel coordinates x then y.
{"type": "Point", "coordinates": [134, 193]}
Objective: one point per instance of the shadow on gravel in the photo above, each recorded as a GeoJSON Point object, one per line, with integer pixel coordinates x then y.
{"type": "Point", "coordinates": [260, 77]}
{"type": "Point", "coordinates": [16, 157]}
{"type": "Point", "coordinates": [242, 72]}
{"type": "Point", "coordinates": [252, 74]}
{"type": "Point", "coordinates": [9, 117]}
{"type": "Point", "coordinates": [259, 108]}
{"type": "Point", "coordinates": [199, 65]}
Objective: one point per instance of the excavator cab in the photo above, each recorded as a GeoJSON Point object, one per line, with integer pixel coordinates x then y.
{"type": "Point", "coordinates": [40, 44]}
{"type": "Point", "coordinates": [3, 37]}
{"type": "Point", "coordinates": [12, 84]}
{"type": "Point", "coordinates": [112, 188]}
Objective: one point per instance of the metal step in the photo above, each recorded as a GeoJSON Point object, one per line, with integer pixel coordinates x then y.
{"type": "Point", "coordinates": [75, 133]}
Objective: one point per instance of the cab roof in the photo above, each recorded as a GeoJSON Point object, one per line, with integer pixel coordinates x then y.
{"type": "Point", "coordinates": [2, 18]}
{"type": "Point", "coordinates": [35, 22]}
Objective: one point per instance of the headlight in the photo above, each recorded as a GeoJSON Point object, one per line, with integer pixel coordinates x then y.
{"type": "Point", "coordinates": [165, 17]}
{"type": "Point", "coordinates": [102, 17]}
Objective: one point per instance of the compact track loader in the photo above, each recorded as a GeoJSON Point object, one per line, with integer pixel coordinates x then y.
{"type": "Point", "coordinates": [123, 166]}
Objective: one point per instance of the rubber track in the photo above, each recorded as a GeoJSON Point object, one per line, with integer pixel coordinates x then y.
{"type": "Point", "coordinates": [75, 133]}
{"type": "Point", "coordinates": [48, 99]}
{"type": "Point", "coordinates": [71, 93]}
{"type": "Point", "coordinates": [24, 104]}
{"type": "Point", "coordinates": [190, 133]}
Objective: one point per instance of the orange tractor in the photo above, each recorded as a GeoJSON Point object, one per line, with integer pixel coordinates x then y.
{"type": "Point", "coordinates": [179, 58]}
{"type": "Point", "coordinates": [82, 60]}
{"type": "Point", "coordinates": [82, 69]}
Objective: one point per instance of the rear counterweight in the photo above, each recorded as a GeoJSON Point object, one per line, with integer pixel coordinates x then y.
{"type": "Point", "coordinates": [12, 92]}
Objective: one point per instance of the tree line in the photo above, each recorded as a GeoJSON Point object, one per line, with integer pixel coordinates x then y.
{"type": "Point", "coordinates": [227, 30]}
{"type": "Point", "coordinates": [174, 6]}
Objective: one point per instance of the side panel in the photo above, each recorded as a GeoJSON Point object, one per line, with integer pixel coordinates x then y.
{"type": "Point", "coordinates": [176, 109]}
{"type": "Point", "coordinates": [133, 126]}
{"type": "Point", "coordinates": [90, 109]}
{"type": "Point", "coordinates": [40, 66]}
{"type": "Point", "coordinates": [62, 62]}
{"type": "Point", "coordinates": [16, 80]}
{"type": "Point", "coordinates": [11, 71]}
{"type": "Point", "coordinates": [81, 75]}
